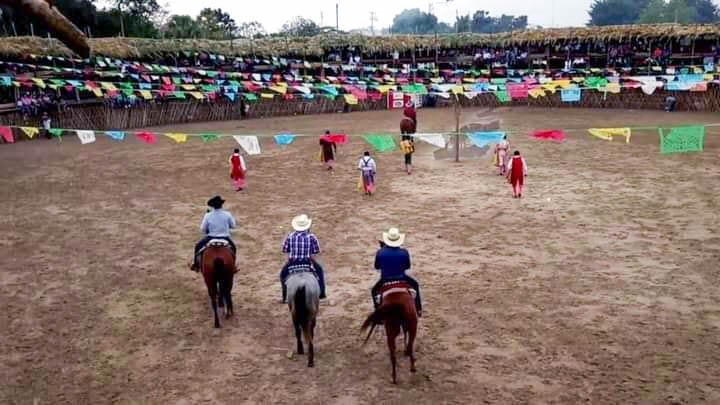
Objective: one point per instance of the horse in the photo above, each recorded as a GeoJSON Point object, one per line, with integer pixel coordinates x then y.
{"type": "Point", "coordinates": [397, 312]}
{"type": "Point", "coordinates": [218, 270]}
{"type": "Point", "coordinates": [303, 293]}
{"type": "Point", "coordinates": [407, 126]}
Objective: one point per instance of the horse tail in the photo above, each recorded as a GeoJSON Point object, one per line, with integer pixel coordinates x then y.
{"type": "Point", "coordinates": [218, 267]}
{"type": "Point", "coordinates": [300, 307]}
{"type": "Point", "coordinates": [381, 314]}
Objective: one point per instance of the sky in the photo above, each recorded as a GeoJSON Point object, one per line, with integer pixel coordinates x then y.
{"type": "Point", "coordinates": [356, 14]}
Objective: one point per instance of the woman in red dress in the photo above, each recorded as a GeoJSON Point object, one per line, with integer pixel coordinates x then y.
{"type": "Point", "coordinates": [517, 171]}
{"type": "Point", "coordinates": [237, 170]}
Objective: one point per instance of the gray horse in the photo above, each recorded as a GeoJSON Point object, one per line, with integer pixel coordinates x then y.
{"type": "Point", "coordinates": [303, 293]}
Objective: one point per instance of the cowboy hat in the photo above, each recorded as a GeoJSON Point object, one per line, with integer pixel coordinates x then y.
{"type": "Point", "coordinates": [301, 223]}
{"type": "Point", "coordinates": [393, 237]}
{"type": "Point", "coordinates": [216, 202]}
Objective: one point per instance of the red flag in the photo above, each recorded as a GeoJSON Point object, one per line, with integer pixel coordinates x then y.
{"type": "Point", "coordinates": [147, 137]}
{"type": "Point", "coordinates": [556, 135]}
{"type": "Point", "coordinates": [339, 139]}
{"type": "Point", "coordinates": [7, 134]}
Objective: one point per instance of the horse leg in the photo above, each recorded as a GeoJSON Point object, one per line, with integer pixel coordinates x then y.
{"type": "Point", "coordinates": [392, 331]}
{"type": "Point", "coordinates": [220, 297]}
{"type": "Point", "coordinates": [228, 297]}
{"type": "Point", "coordinates": [308, 329]}
{"type": "Point", "coordinates": [411, 333]}
{"type": "Point", "coordinates": [298, 333]}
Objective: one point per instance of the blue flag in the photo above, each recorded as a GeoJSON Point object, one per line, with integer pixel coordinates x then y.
{"type": "Point", "coordinates": [481, 139]}
{"type": "Point", "coordinates": [116, 135]}
{"type": "Point", "coordinates": [284, 139]}
{"type": "Point", "coordinates": [570, 95]}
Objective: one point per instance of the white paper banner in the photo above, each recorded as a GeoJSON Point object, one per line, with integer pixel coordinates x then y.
{"type": "Point", "coordinates": [86, 136]}
{"type": "Point", "coordinates": [249, 143]}
{"type": "Point", "coordinates": [433, 139]}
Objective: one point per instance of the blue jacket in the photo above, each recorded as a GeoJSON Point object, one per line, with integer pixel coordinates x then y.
{"type": "Point", "coordinates": [392, 262]}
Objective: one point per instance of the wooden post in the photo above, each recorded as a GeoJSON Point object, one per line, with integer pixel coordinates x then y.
{"type": "Point", "coordinates": [457, 128]}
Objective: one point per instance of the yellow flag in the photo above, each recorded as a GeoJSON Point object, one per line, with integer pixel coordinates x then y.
{"type": "Point", "coordinates": [30, 131]}
{"type": "Point", "coordinates": [613, 88]}
{"type": "Point", "coordinates": [351, 99]}
{"type": "Point", "coordinates": [267, 95]}
{"type": "Point", "coordinates": [535, 93]}
{"type": "Point", "coordinates": [197, 95]}
{"type": "Point", "coordinates": [188, 87]}
{"type": "Point", "coordinates": [108, 86]}
{"type": "Point", "coordinates": [145, 94]}
{"type": "Point", "coordinates": [457, 90]}
{"type": "Point", "coordinates": [608, 133]}
{"type": "Point", "coordinates": [98, 92]}
{"type": "Point", "coordinates": [39, 82]}
{"type": "Point", "coordinates": [179, 138]}
{"type": "Point", "coordinates": [279, 89]}
{"type": "Point", "coordinates": [551, 87]}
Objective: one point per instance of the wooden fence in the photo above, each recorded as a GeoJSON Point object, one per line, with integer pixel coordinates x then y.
{"type": "Point", "coordinates": [101, 116]}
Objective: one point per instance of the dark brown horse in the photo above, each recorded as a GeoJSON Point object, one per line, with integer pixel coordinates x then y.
{"type": "Point", "coordinates": [397, 312]}
{"type": "Point", "coordinates": [407, 126]}
{"type": "Point", "coordinates": [218, 270]}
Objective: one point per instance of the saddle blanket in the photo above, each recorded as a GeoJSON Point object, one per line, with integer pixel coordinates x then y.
{"type": "Point", "coordinates": [392, 287]}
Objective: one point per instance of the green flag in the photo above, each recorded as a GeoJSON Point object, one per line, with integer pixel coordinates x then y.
{"type": "Point", "coordinates": [56, 132]}
{"type": "Point", "coordinates": [210, 137]}
{"type": "Point", "coordinates": [179, 94]}
{"type": "Point", "coordinates": [682, 139]}
{"type": "Point", "coordinates": [381, 143]}
{"type": "Point", "coordinates": [503, 96]}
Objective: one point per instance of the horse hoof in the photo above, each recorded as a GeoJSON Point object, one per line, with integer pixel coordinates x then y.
{"type": "Point", "coordinates": [311, 365]}
{"type": "Point", "coordinates": [216, 331]}
{"type": "Point", "coordinates": [413, 370]}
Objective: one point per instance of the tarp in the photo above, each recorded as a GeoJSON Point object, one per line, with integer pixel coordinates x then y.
{"type": "Point", "coordinates": [481, 139]}
{"type": "Point", "coordinates": [609, 133]}
{"type": "Point", "coordinates": [551, 134]}
{"type": "Point", "coordinates": [682, 139]}
{"type": "Point", "coordinates": [381, 143]}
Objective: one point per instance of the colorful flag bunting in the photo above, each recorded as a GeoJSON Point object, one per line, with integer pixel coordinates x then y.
{"type": "Point", "coordinates": [30, 131]}
{"type": "Point", "coordinates": [570, 95]}
{"type": "Point", "coordinates": [284, 139]}
{"type": "Point", "coordinates": [86, 136]}
{"type": "Point", "coordinates": [481, 139]}
{"type": "Point", "coordinates": [210, 137]}
{"type": "Point", "coordinates": [437, 140]}
{"type": "Point", "coordinates": [381, 143]}
{"type": "Point", "coordinates": [56, 132]}
{"type": "Point", "coordinates": [116, 135]}
{"type": "Point", "coordinates": [179, 138]}
{"type": "Point", "coordinates": [147, 137]}
{"type": "Point", "coordinates": [249, 143]}
{"type": "Point", "coordinates": [608, 133]}
{"type": "Point", "coordinates": [682, 139]}
{"type": "Point", "coordinates": [7, 134]}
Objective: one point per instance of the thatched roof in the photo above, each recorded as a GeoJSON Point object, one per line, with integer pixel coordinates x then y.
{"type": "Point", "coordinates": [129, 48]}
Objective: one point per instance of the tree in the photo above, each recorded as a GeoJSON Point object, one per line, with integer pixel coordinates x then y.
{"type": "Point", "coordinates": [300, 27]}
{"type": "Point", "coordinates": [706, 11]}
{"type": "Point", "coordinates": [182, 26]}
{"type": "Point", "coordinates": [251, 30]}
{"type": "Point", "coordinates": [616, 12]}
{"type": "Point", "coordinates": [463, 23]}
{"type": "Point", "coordinates": [414, 21]}
{"type": "Point", "coordinates": [680, 11]}
{"type": "Point", "coordinates": [216, 24]}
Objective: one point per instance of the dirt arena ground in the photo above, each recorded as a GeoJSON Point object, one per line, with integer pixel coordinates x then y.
{"type": "Point", "coordinates": [600, 287]}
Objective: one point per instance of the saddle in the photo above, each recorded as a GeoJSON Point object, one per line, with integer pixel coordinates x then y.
{"type": "Point", "coordinates": [395, 286]}
{"type": "Point", "coordinates": [300, 268]}
{"type": "Point", "coordinates": [214, 243]}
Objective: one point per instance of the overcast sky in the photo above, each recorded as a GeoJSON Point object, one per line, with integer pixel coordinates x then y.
{"type": "Point", "coordinates": [356, 13]}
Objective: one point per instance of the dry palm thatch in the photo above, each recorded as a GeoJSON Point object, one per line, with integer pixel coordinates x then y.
{"type": "Point", "coordinates": [131, 48]}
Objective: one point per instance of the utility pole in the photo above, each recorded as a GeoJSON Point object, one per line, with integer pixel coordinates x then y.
{"type": "Point", "coordinates": [337, 16]}
{"type": "Point", "coordinates": [373, 18]}
{"type": "Point", "coordinates": [322, 19]}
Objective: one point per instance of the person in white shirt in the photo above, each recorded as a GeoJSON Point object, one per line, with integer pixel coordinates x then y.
{"type": "Point", "coordinates": [368, 168]}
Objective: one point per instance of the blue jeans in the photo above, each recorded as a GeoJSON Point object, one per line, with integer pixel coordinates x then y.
{"type": "Point", "coordinates": [318, 271]}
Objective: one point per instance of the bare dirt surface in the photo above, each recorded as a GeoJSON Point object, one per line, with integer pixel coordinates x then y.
{"type": "Point", "coordinates": [601, 286]}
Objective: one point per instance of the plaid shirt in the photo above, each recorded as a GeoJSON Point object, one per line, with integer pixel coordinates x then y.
{"type": "Point", "coordinates": [301, 245]}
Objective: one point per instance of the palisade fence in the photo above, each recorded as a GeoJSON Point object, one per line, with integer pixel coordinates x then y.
{"type": "Point", "coordinates": [101, 116]}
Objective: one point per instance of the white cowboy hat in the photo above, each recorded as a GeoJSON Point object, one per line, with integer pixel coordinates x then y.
{"type": "Point", "coordinates": [393, 237]}
{"type": "Point", "coordinates": [301, 223]}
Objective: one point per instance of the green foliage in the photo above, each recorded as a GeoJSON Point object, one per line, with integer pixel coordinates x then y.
{"type": "Point", "coordinates": [616, 12]}
{"type": "Point", "coordinates": [300, 27]}
{"type": "Point", "coordinates": [414, 21]}
{"type": "Point", "coordinates": [181, 26]}
{"type": "Point", "coordinates": [216, 24]}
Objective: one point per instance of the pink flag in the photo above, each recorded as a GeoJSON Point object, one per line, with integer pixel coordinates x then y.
{"type": "Point", "coordinates": [518, 91]}
{"type": "Point", "coordinates": [556, 135]}
{"type": "Point", "coordinates": [147, 137]}
{"type": "Point", "coordinates": [7, 134]}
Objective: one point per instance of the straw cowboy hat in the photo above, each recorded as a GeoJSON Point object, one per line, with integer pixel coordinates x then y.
{"type": "Point", "coordinates": [393, 237]}
{"type": "Point", "coordinates": [301, 223]}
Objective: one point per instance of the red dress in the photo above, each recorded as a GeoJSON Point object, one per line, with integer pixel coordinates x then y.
{"type": "Point", "coordinates": [517, 175]}
{"type": "Point", "coordinates": [410, 113]}
{"type": "Point", "coordinates": [237, 171]}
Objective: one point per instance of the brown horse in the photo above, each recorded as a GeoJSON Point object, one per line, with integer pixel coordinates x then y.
{"type": "Point", "coordinates": [218, 270]}
{"type": "Point", "coordinates": [407, 126]}
{"type": "Point", "coordinates": [397, 312]}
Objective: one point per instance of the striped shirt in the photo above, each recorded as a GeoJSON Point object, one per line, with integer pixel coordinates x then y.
{"type": "Point", "coordinates": [301, 245]}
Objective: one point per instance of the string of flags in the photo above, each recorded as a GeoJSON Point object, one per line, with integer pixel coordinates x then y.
{"type": "Point", "coordinates": [688, 138]}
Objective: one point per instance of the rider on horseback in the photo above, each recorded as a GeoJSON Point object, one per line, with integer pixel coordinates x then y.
{"type": "Point", "coordinates": [215, 225]}
{"type": "Point", "coordinates": [392, 261]}
{"type": "Point", "coordinates": [301, 246]}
